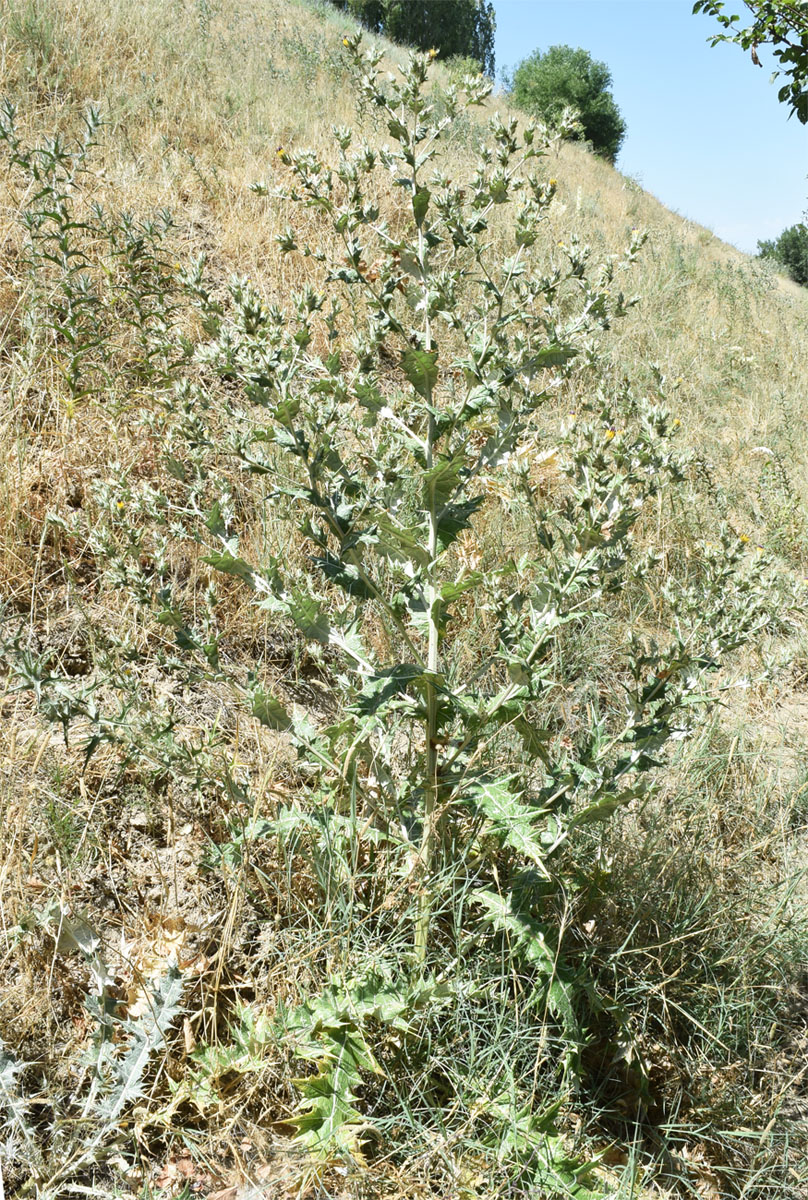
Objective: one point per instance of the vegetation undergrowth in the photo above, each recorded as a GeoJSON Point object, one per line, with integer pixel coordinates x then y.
{"type": "Point", "coordinates": [401, 833]}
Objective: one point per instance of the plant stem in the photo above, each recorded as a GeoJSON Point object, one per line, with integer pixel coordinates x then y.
{"type": "Point", "coordinates": [427, 853]}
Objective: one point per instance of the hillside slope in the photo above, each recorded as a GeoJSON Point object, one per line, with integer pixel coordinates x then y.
{"type": "Point", "coordinates": [207, 947]}
{"type": "Point", "coordinates": [196, 99]}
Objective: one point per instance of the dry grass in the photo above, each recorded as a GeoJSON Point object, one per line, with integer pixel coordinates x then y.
{"type": "Point", "coordinates": [196, 96]}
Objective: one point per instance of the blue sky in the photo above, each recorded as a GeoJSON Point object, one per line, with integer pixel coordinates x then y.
{"type": "Point", "coordinates": [706, 133]}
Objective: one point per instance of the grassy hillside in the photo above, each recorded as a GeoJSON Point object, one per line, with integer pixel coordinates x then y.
{"type": "Point", "coordinates": [245, 948]}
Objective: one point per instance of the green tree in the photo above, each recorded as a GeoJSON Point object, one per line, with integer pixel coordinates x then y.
{"type": "Point", "coordinates": [781, 24]}
{"type": "Point", "coordinates": [462, 28]}
{"type": "Point", "coordinates": [544, 84]}
{"type": "Point", "coordinates": [790, 250]}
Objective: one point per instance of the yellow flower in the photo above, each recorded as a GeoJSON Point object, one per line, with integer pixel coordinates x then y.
{"type": "Point", "coordinates": [676, 423]}
{"type": "Point", "coordinates": [433, 54]}
{"type": "Point", "coordinates": [552, 183]}
{"type": "Point", "coordinates": [120, 506]}
{"type": "Point", "coordinates": [744, 539]}
{"type": "Point", "coordinates": [609, 434]}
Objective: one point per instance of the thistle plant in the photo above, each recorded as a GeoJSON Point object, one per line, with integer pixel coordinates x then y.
{"type": "Point", "coordinates": [457, 540]}
{"type": "Point", "coordinates": [384, 411]}
{"type": "Point", "coordinates": [104, 295]}
{"type": "Point", "coordinates": [65, 298]}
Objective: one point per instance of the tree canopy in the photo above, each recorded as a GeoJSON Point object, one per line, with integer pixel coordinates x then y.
{"type": "Point", "coordinates": [790, 250]}
{"type": "Point", "coordinates": [454, 27]}
{"type": "Point", "coordinates": [544, 84]}
{"type": "Point", "coordinates": [780, 24]}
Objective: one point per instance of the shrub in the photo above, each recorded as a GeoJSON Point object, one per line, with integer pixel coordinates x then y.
{"type": "Point", "coordinates": [545, 84]}
{"type": "Point", "coordinates": [790, 250]}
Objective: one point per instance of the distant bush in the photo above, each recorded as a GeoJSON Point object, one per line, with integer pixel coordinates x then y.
{"type": "Point", "coordinates": [463, 28]}
{"type": "Point", "coordinates": [545, 84]}
{"type": "Point", "coordinates": [459, 66]}
{"type": "Point", "coordinates": [790, 250]}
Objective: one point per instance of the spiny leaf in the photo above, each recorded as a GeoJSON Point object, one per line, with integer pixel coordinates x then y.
{"type": "Point", "coordinates": [550, 356]}
{"type": "Point", "coordinates": [328, 1119]}
{"type": "Point", "coordinates": [514, 823]}
{"type": "Point", "coordinates": [534, 738]}
{"type": "Point", "coordinates": [329, 1030]}
{"type": "Point", "coordinates": [526, 936]}
{"type": "Point", "coordinates": [349, 1005]}
{"type": "Point", "coordinates": [454, 518]}
{"type": "Point", "coordinates": [147, 1036]}
{"type": "Point", "coordinates": [528, 941]}
{"type": "Point", "coordinates": [398, 130]}
{"type": "Point", "coordinates": [346, 575]}
{"type": "Point", "coordinates": [11, 1100]}
{"type": "Point", "coordinates": [398, 542]}
{"type": "Point", "coordinates": [605, 806]}
{"type": "Point", "coordinates": [451, 591]}
{"type": "Point", "coordinates": [215, 522]}
{"type": "Point", "coordinates": [440, 481]}
{"type": "Point", "coordinates": [231, 565]}
{"type": "Point", "coordinates": [369, 396]}
{"type": "Point", "coordinates": [269, 711]}
{"type": "Point", "coordinates": [380, 689]}
{"type": "Point", "coordinates": [420, 367]}
{"type": "Point", "coordinates": [420, 204]}
{"type": "Point", "coordinates": [307, 614]}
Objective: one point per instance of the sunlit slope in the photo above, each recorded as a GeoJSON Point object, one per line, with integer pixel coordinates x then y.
{"type": "Point", "coordinates": [198, 96]}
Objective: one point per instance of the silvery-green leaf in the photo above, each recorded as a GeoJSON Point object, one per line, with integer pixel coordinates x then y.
{"type": "Point", "coordinates": [515, 824]}
{"type": "Point", "coordinates": [147, 1035]}
{"type": "Point", "coordinates": [231, 565]}
{"type": "Point", "coordinates": [387, 685]}
{"type": "Point", "coordinates": [420, 204]}
{"type": "Point", "coordinates": [454, 518]}
{"type": "Point", "coordinates": [269, 711]}
{"type": "Point", "coordinates": [527, 936]}
{"type": "Point", "coordinates": [307, 614]}
{"type": "Point", "coordinates": [420, 367]}
{"type": "Point", "coordinates": [346, 575]}
{"type": "Point", "coordinates": [450, 591]}
{"type": "Point", "coordinates": [74, 933]}
{"type": "Point", "coordinates": [440, 481]}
